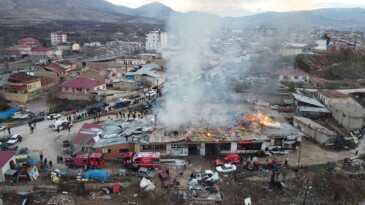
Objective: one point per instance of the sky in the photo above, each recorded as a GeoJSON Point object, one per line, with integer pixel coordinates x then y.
{"type": "Point", "coordinates": [244, 7]}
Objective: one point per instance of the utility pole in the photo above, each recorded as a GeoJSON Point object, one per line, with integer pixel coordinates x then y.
{"type": "Point", "coordinates": [300, 152]}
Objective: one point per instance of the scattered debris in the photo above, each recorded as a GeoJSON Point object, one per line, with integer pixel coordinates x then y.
{"type": "Point", "coordinates": [61, 200]}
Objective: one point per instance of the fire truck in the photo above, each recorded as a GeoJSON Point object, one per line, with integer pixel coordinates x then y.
{"type": "Point", "coordinates": [86, 160]}
{"type": "Point", "coordinates": [135, 160]}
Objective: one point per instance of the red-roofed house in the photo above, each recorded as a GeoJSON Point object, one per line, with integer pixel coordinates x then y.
{"type": "Point", "coordinates": [30, 41]}
{"type": "Point", "coordinates": [291, 75]}
{"type": "Point", "coordinates": [5, 158]}
{"type": "Point", "coordinates": [84, 140]}
{"type": "Point", "coordinates": [80, 88]}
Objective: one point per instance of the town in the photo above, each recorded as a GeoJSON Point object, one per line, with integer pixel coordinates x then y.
{"type": "Point", "coordinates": [187, 114]}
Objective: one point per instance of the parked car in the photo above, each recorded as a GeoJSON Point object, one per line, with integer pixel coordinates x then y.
{"type": "Point", "coordinates": [275, 107]}
{"type": "Point", "coordinates": [19, 115]}
{"type": "Point", "coordinates": [37, 119]}
{"type": "Point", "coordinates": [146, 173]}
{"type": "Point", "coordinates": [14, 139]}
{"type": "Point", "coordinates": [69, 112]}
{"type": "Point", "coordinates": [102, 104]}
{"type": "Point", "coordinates": [230, 159]}
{"type": "Point", "coordinates": [226, 168]}
{"type": "Point", "coordinates": [165, 179]}
{"type": "Point", "coordinates": [151, 93]}
{"type": "Point", "coordinates": [54, 116]}
{"type": "Point", "coordinates": [285, 109]}
{"type": "Point", "coordinates": [3, 127]}
{"type": "Point", "coordinates": [208, 176]}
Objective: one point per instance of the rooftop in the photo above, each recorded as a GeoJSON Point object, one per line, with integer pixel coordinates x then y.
{"type": "Point", "coordinates": [81, 83]}
{"type": "Point", "coordinates": [307, 100]}
{"type": "Point", "coordinates": [22, 78]}
{"type": "Point", "coordinates": [333, 94]}
{"type": "Point", "coordinates": [42, 49]}
{"type": "Point", "coordinates": [88, 130]}
{"type": "Point", "coordinates": [5, 156]}
{"type": "Point", "coordinates": [310, 123]}
{"type": "Point", "coordinates": [298, 45]}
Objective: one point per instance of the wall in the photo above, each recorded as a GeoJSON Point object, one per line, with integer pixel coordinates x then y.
{"type": "Point", "coordinates": [19, 98]}
{"type": "Point", "coordinates": [290, 51]}
{"type": "Point", "coordinates": [320, 137]}
{"type": "Point", "coordinates": [47, 74]}
{"type": "Point", "coordinates": [114, 150]}
{"type": "Point", "coordinates": [125, 86]}
{"type": "Point", "coordinates": [5, 168]}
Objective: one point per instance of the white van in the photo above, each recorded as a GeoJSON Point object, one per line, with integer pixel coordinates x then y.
{"type": "Point", "coordinates": [61, 124]}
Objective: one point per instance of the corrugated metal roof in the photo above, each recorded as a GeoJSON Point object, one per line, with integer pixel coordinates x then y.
{"type": "Point", "coordinates": [308, 100]}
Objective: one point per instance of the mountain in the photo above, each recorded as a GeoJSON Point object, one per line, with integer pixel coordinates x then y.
{"type": "Point", "coordinates": [157, 13]}
{"type": "Point", "coordinates": [73, 10]}
{"type": "Point", "coordinates": [331, 18]}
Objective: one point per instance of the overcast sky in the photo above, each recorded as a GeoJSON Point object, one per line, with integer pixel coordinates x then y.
{"type": "Point", "coordinates": [244, 7]}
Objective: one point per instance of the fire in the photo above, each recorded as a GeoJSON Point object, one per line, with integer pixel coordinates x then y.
{"type": "Point", "coordinates": [209, 135]}
{"type": "Point", "coordinates": [260, 119]}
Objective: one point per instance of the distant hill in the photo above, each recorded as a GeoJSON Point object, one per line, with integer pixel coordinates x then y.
{"type": "Point", "coordinates": [330, 18]}
{"type": "Point", "coordinates": [157, 13]}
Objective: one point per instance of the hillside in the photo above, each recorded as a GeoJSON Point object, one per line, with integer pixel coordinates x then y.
{"type": "Point", "coordinates": [334, 65]}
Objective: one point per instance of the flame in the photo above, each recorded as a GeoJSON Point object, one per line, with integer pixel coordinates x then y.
{"type": "Point", "coordinates": [209, 135]}
{"type": "Point", "coordinates": [260, 119]}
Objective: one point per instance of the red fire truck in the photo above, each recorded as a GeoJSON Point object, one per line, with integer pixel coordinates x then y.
{"type": "Point", "coordinates": [94, 161]}
{"type": "Point", "coordinates": [150, 160]}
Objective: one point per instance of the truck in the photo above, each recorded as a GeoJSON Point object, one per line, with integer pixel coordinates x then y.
{"type": "Point", "coordinates": [150, 160]}
{"type": "Point", "coordinates": [262, 103]}
{"type": "Point", "coordinates": [86, 160]}
{"type": "Point", "coordinates": [66, 146]}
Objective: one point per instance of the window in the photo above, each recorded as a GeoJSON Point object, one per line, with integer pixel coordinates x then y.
{"type": "Point", "coordinates": [123, 150]}
{"type": "Point", "coordinates": [106, 151]}
{"type": "Point", "coordinates": [296, 77]}
{"type": "Point", "coordinates": [160, 147]}
{"type": "Point", "coordinates": [176, 146]}
{"type": "Point", "coordinates": [78, 89]}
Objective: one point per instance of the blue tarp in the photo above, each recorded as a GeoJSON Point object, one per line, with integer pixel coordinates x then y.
{"type": "Point", "coordinates": [5, 115]}
{"type": "Point", "coordinates": [34, 161]}
{"type": "Point", "coordinates": [97, 174]}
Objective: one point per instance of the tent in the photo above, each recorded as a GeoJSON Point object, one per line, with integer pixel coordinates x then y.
{"type": "Point", "coordinates": [97, 174]}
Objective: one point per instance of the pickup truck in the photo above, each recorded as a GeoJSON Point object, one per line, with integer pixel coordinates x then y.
{"type": "Point", "coordinates": [20, 116]}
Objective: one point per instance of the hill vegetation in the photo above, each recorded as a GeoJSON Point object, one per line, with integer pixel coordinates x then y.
{"type": "Point", "coordinates": [343, 64]}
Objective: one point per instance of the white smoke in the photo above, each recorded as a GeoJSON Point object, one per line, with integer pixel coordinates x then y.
{"type": "Point", "coordinates": [199, 89]}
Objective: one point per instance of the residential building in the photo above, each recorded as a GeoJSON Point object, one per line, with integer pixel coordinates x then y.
{"type": "Point", "coordinates": [98, 75]}
{"type": "Point", "coordinates": [80, 88]}
{"type": "Point", "coordinates": [75, 47]}
{"type": "Point", "coordinates": [63, 46]}
{"type": "Point", "coordinates": [34, 43]}
{"type": "Point", "coordinates": [57, 71]}
{"type": "Point", "coordinates": [150, 74]}
{"type": "Point", "coordinates": [351, 116]}
{"type": "Point", "coordinates": [156, 40]}
{"type": "Point", "coordinates": [6, 159]}
{"type": "Point", "coordinates": [327, 96]}
{"type": "Point", "coordinates": [24, 49]}
{"type": "Point", "coordinates": [22, 87]}
{"type": "Point", "coordinates": [291, 75]}
{"type": "Point", "coordinates": [314, 130]}
{"type": "Point", "coordinates": [309, 107]}
{"type": "Point", "coordinates": [321, 45]}
{"type": "Point", "coordinates": [58, 37]}
{"type": "Point", "coordinates": [42, 54]}
{"type": "Point", "coordinates": [292, 49]}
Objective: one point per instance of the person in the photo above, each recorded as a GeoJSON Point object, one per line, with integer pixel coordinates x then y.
{"type": "Point", "coordinates": [61, 159]}
{"type": "Point", "coordinates": [41, 157]}
{"type": "Point", "coordinates": [50, 163]}
{"type": "Point", "coordinates": [31, 129]}
{"type": "Point", "coordinates": [189, 162]}
{"type": "Point", "coordinates": [356, 152]}
{"type": "Point", "coordinates": [45, 161]}
{"type": "Point", "coordinates": [167, 171]}
{"type": "Point", "coordinates": [192, 175]}
{"type": "Point", "coordinates": [58, 159]}
{"type": "Point", "coordinates": [286, 162]}
{"type": "Point", "coordinates": [35, 125]}
{"type": "Point", "coordinates": [69, 128]}
{"type": "Point", "coordinates": [58, 129]}
{"type": "Point", "coordinates": [9, 131]}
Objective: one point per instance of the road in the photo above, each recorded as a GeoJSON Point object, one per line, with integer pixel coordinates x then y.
{"type": "Point", "coordinates": [45, 140]}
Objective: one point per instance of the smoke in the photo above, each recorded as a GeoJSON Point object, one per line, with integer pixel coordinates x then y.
{"type": "Point", "coordinates": [199, 85]}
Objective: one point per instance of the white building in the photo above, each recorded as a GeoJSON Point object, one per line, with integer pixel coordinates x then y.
{"type": "Point", "coordinates": [156, 40]}
{"type": "Point", "coordinates": [5, 158]}
{"type": "Point", "coordinates": [291, 75]}
{"type": "Point", "coordinates": [58, 37]}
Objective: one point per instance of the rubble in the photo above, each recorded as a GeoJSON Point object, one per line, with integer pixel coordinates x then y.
{"type": "Point", "coordinates": [61, 200]}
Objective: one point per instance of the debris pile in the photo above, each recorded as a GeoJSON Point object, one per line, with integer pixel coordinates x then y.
{"type": "Point", "coordinates": [61, 200]}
